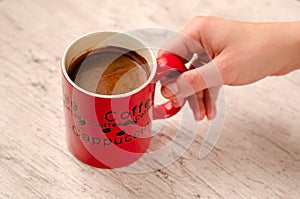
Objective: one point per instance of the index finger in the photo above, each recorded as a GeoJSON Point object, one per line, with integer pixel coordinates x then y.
{"type": "Point", "coordinates": [186, 42]}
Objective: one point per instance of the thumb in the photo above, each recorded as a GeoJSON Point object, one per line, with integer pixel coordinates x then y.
{"type": "Point", "coordinates": [193, 81]}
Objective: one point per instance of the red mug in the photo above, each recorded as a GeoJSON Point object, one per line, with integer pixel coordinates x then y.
{"type": "Point", "coordinates": [111, 131]}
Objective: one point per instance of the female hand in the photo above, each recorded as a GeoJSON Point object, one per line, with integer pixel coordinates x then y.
{"type": "Point", "coordinates": [241, 53]}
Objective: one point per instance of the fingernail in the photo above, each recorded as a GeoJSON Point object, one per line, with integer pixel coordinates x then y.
{"type": "Point", "coordinates": [180, 99]}
{"type": "Point", "coordinates": [176, 103]}
{"type": "Point", "coordinates": [197, 114]}
{"type": "Point", "coordinates": [212, 113]}
{"type": "Point", "coordinates": [173, 88]}
{"type": "Point", "coordinates": [208, 116]}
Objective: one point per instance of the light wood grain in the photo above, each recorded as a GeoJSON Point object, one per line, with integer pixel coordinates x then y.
{"type": "Point", "coordinates": [257, 156]}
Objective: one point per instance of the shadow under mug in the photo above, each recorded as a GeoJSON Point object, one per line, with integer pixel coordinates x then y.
{"type": "Point", "coordinates": [111, 131]}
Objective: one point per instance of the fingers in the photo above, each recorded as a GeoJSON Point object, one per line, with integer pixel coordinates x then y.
{"type": "Point", "coordinates": [177, 45]}
{"type": "Point", "coordinates": [187, 42]}
{"type": "Point", "coordinates": [210, 98]}
{"type": "Point", "coordinates": [193, 85]}
{"type": "Point", "coordinates": [204, 103]}
{"type": "Point", "coordinates": [197, 104]}
{"type": "Point", "coordinates": [193, 81]}
{"type": "Point", "coordinates": [209, 105]}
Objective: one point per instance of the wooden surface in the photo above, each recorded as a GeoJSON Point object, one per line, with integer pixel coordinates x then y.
{"type": "Point", "coordinates": [257, 156]}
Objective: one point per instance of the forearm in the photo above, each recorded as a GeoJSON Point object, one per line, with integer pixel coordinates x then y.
{"type": "Point", "coordinates": [291, 39]}
{"type": "Point", "coordinates": [295, 35]}
{"type": "Point", "coordinates": [284, 38]}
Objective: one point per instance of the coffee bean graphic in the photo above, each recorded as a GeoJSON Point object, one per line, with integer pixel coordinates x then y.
{"type": "Point", "coordinates": [107, 130]}
{"type": "Point", "coordinates": [82, 122]}
{"type": "Point", "coordinates": [127, 123]}
{"type": "Point", "coordinates": [121, 133]}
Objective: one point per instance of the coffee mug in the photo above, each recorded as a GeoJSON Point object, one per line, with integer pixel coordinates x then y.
{"type": "Point", "coordinates": [111, 131]}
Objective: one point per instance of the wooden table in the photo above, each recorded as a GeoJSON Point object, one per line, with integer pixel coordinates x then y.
{"type": "Point", "coordinates": [257, 156]}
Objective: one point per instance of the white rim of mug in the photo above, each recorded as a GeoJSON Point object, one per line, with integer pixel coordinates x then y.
{"type": "Point", "coordinates": [153, 66]}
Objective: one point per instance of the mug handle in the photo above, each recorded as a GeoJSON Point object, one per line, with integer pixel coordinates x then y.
{"type": "Point", "coordinates": [168, 66]}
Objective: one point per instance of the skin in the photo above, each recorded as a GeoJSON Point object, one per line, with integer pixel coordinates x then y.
{"type": "Point", "coordinates": [241, 53]}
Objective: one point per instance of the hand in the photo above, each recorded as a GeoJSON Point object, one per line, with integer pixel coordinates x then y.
{"type": "Point", "coordinates": [241, 53]}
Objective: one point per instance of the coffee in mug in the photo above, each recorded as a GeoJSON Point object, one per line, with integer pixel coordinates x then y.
{"type": "Point", "coordinates": [109, 70]}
